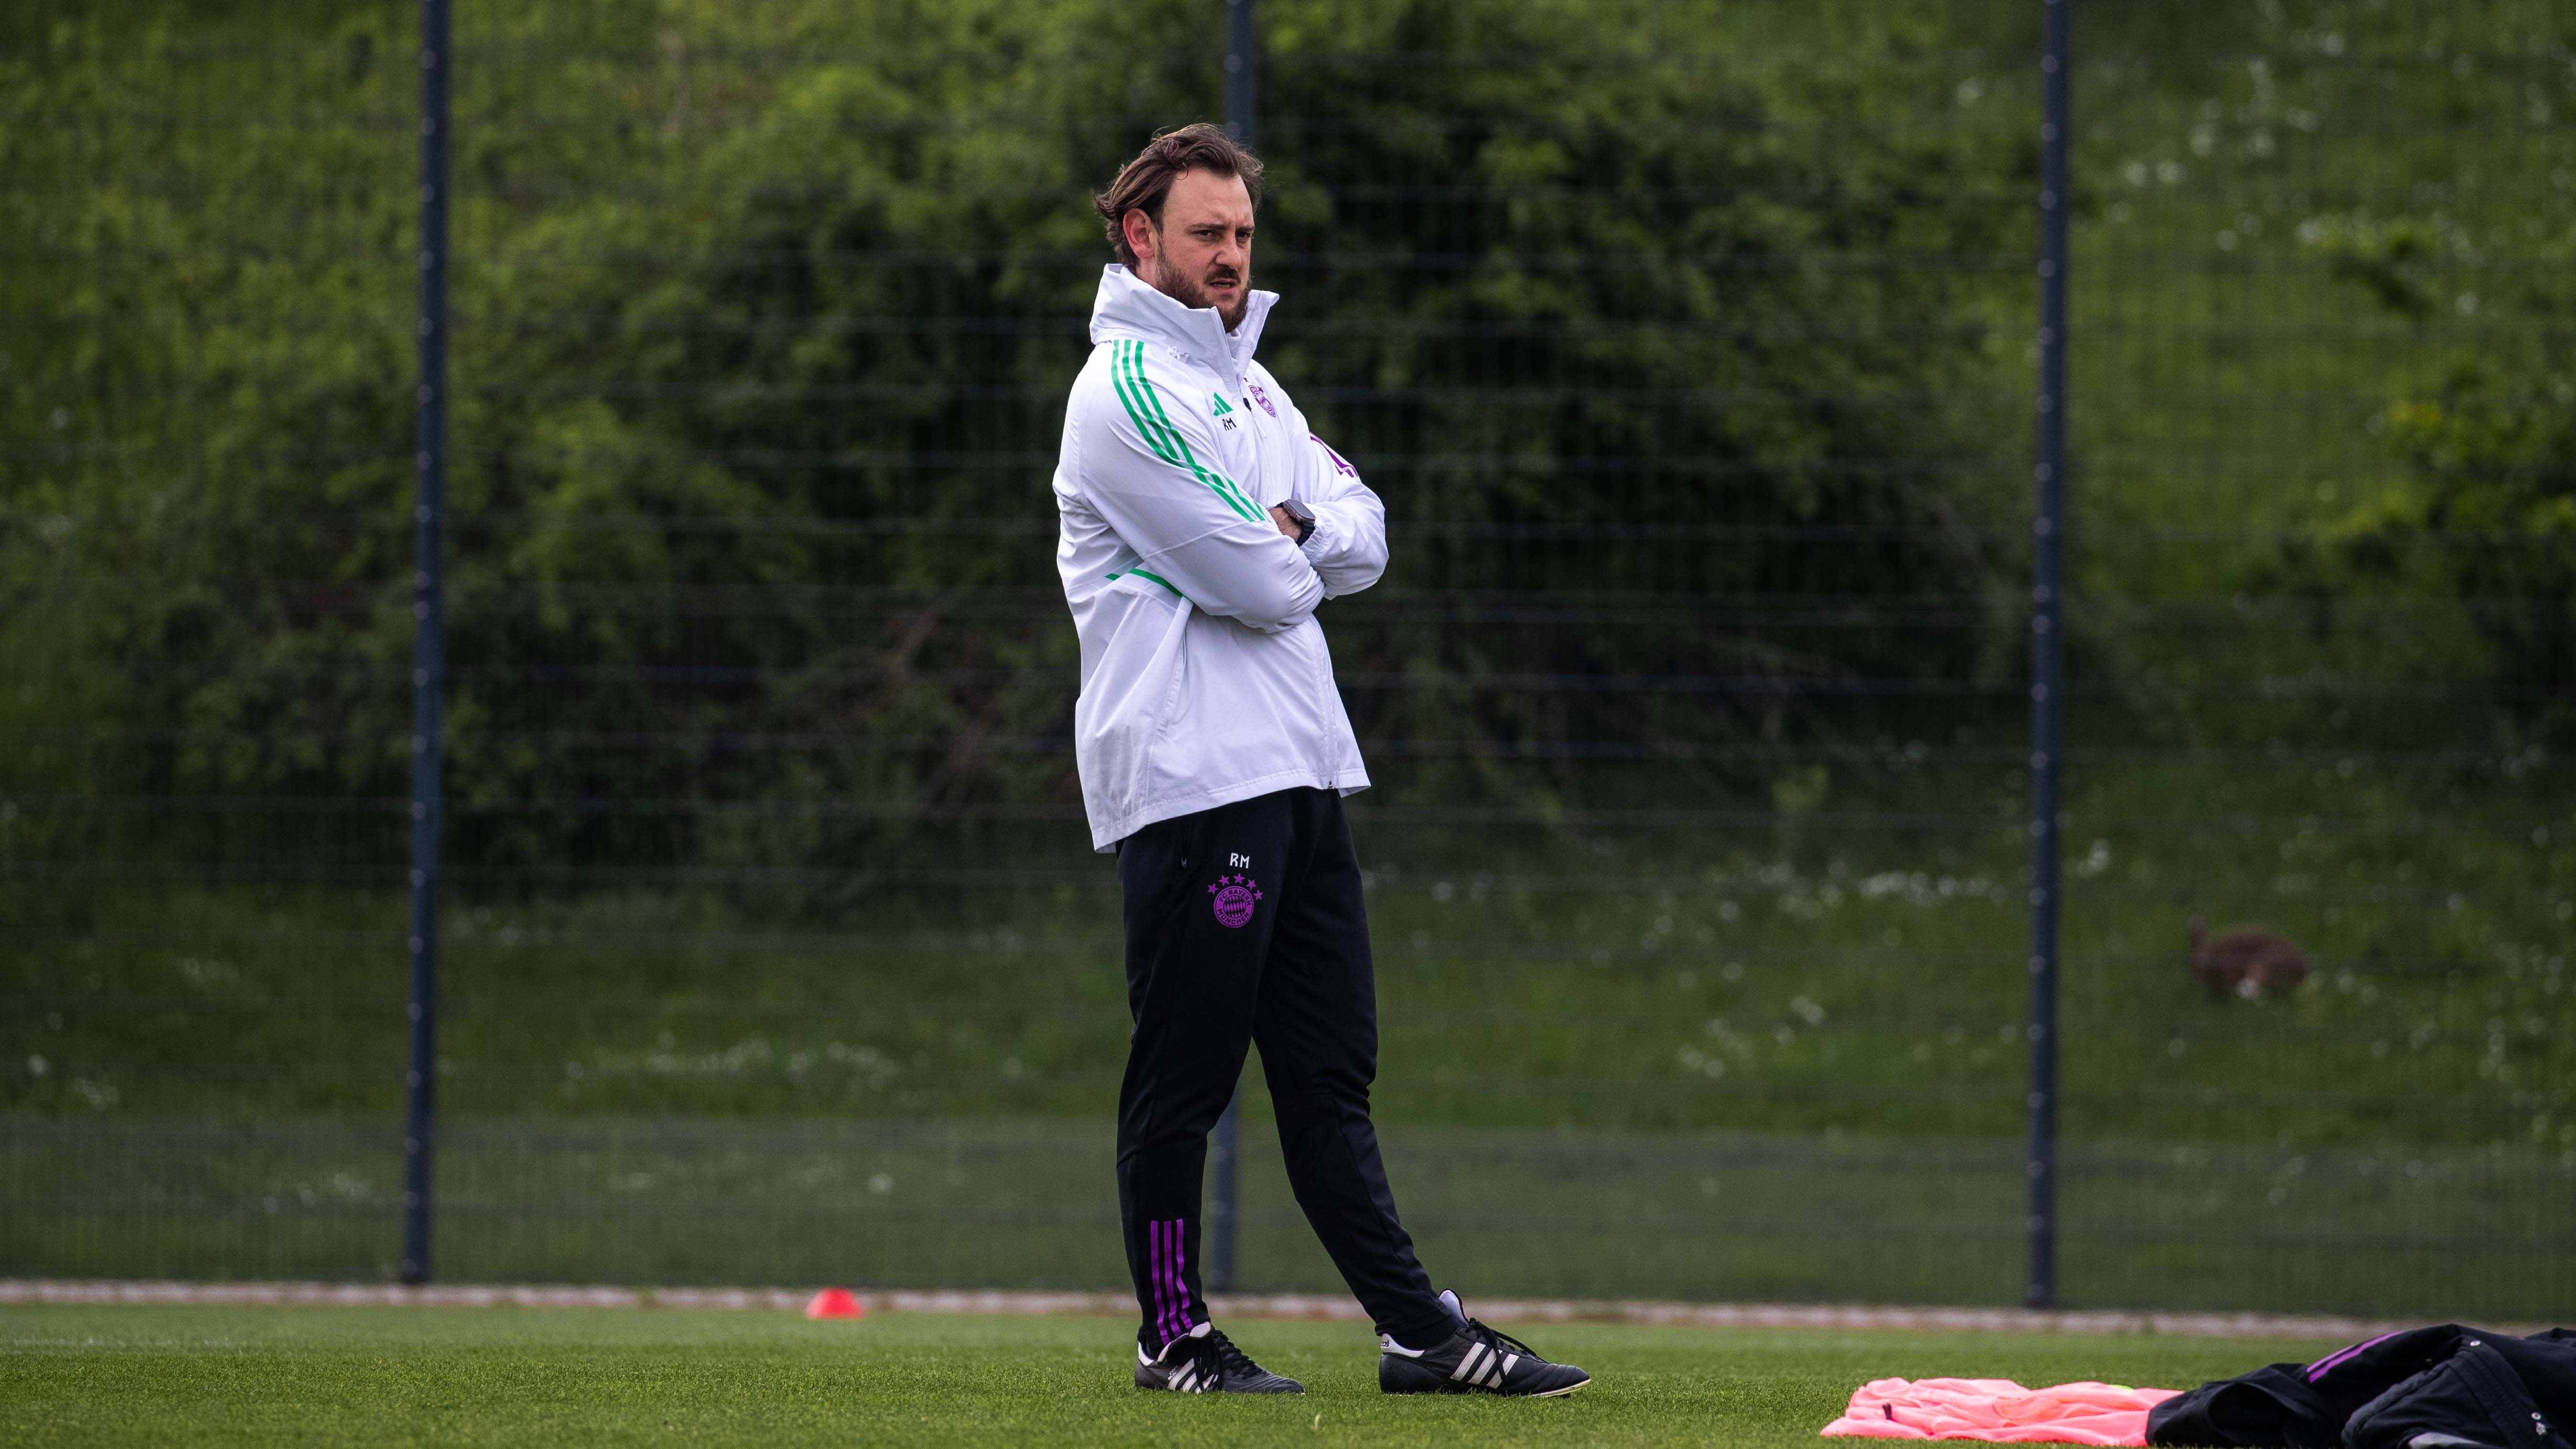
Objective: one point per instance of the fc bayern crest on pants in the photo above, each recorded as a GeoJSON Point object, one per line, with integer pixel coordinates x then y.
{"type": "Point", "coordinates": [1234, 897]}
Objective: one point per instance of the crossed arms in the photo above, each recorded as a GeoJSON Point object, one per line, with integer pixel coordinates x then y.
{"type": "Point", "coordinates": [1151, 468]}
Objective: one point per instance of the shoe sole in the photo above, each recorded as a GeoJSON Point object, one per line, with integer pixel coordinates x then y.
{"type": "Point", "coordinates": [1489, 1393]}
{"type": "Point", "coordinates": [1146, 1388]}
{"type": "Point", "coordinates": [1245, 1393]}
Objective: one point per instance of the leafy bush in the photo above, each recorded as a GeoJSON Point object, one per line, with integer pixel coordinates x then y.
{"type": "Point", "coordinates": [763, 320]}
{"type": "Point", "coordinates": [2488, 518]}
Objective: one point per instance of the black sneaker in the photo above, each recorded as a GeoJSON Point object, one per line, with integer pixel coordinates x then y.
{"type": "Point", "coordinates": [1204, 1361]}
{"type": "Point", "coordinates": [1475, 1360]}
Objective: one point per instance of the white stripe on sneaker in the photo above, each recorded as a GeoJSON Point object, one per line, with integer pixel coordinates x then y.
{"type": "Point", "coordinates": [1508, 1361]}
{"type": "Point", "coordinates": [1467, 1368]}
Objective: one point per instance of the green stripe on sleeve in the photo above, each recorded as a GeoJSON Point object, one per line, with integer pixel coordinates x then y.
{"type": "Point", "coordinates": [1158, 578]}
{"type": "Point", "coordinates": [1217, 481]}
{"type": "Point", "coordinates": [1128, 399]}
{"type": "Point", "coordinates": [1167, 439]}
{"type": "Point", "coordinates": [1140, 407]}
{"type": "Point", "coordinates": [1127, 369]}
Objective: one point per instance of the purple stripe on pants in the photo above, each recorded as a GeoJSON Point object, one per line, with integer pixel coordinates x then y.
{"type": "Point", "coordinates": [1154, 1273]}
{"type": "Point", "coordinates": [2318, 1369]}
{"type": "Point", "coordinates": [1180, 1291]}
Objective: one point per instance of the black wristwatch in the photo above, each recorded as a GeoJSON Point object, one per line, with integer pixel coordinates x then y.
{"type": "Point", "coordinates": [1302, 516]}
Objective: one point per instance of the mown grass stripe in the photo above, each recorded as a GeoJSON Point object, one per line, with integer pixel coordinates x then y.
{"type": "Point", "coordinates": [981, 1379]}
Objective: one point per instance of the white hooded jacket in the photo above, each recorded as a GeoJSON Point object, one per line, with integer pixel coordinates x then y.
{"type": "Point", "coordinates": [1205, 678]}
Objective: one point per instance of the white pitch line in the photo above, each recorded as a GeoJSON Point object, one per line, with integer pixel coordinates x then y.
{"type": "Point", "coordinates": [1225, 1305]}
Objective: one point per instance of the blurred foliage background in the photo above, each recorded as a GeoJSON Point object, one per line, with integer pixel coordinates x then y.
{"type": "Point", "coordinates": [1690, 347]}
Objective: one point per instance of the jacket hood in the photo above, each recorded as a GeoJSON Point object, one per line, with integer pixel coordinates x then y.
{"type": "Point", "coordinates": [1126, 308]}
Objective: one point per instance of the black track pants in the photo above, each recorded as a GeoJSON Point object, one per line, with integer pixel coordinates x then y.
{"type": "Point", "coordinates": [1244, 925]}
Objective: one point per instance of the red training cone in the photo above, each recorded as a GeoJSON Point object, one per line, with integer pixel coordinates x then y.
{"type": "Point", "coordinates": [835, 1303]}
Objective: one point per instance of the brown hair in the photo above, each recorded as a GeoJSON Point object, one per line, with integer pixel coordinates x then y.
{"type": "Point", "coordinates": [1144, 182]}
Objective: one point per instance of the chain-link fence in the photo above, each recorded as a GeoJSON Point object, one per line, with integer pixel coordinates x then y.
{"type": "Point", "coordinates": [1692, 356]}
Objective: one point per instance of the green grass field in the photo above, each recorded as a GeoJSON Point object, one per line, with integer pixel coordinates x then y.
{"type": "Point", "coordinates": [576, 1376]}
{"type": "Point", "coordinates": [1775, 1064]}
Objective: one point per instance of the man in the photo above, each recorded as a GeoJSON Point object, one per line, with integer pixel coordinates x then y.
{"type": "Point", "coordinates": [1202, 523]}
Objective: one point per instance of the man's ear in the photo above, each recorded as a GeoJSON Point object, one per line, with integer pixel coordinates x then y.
{"type": "Point", "coordinates": [1143, 237]}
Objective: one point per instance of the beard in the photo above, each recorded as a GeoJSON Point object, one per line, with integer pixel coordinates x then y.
{"type": "Point", "coordinates": [1193, 292]}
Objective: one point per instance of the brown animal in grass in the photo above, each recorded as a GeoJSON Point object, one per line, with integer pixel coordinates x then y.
{"type": "Point", "coordinates": [2246, 960]}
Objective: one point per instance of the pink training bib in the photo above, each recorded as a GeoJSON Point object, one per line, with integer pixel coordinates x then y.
{"type": "Point", "coordinates": [1998, 1411]}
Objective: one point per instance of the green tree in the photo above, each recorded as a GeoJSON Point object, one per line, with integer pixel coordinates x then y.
{"type": "Point", "coordinates": [2488, 516]}
{"type": "Point", "coordinates": [764, 316]}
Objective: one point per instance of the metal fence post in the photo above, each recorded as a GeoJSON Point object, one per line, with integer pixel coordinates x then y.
{"type": "Point", "coordinates": [1223, 1156]}
{"type": "Point", "coordinates": [428, 665]}
{"type": "Point", "coordinates": [1241, 56]}
{"type": "Point", "coordinates": [1225, 1144]}
{"type": "Point", "coordinates": [2048, 658]}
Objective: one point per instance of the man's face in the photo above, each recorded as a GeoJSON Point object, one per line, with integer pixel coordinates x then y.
{"type": "Point", "coordinates": [1201, 256]}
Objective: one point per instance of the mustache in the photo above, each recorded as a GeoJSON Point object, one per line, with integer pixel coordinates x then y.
{"type": "Point", "coordinates": [1223, 274]}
